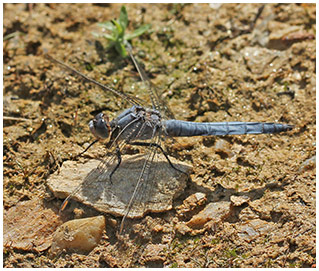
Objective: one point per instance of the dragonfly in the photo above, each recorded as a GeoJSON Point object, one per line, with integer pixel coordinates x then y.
{"type": "Point", "coordinates": [149, 126]}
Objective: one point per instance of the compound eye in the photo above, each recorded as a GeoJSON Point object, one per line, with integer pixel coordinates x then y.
{"type": "Point", "coordinates": [99, 116]}
{"type": "Point", "coordinates": [100, 126]}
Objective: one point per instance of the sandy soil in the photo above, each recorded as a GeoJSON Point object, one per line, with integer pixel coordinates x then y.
{"type": "Point", "coordinates": [213, 63]}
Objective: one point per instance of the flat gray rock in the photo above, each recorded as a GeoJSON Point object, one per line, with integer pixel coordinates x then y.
{"type": "Point", "coordinates": [156, 194]}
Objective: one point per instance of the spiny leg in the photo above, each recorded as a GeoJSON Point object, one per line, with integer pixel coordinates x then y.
{"type": "Point", "coordinates": [91, 144]}
{"type": "Point", "coordinates": [119, 160]}
{"type": "Point", "coordinates": [161, 149]}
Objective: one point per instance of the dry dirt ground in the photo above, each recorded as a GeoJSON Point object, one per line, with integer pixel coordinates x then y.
{"type": "Point", "coordinates": [214, 62]}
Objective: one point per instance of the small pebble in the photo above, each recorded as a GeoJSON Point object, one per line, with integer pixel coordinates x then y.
{"type": "Point", "coordinates": [78, 235]}
{"type": "Point", "coordinates": [215, 211]}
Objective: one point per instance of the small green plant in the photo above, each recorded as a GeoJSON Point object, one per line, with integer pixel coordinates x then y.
{"type": "Point", "coordinates": [118, 39]}
{"type": "Point", "coordinates": [231, 253]}
{"type": "Point", "coordinates": [174, 265]}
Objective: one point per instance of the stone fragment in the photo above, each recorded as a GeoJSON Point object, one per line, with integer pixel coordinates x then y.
{"type": "Point", "coordinates": [78, 235]}
{"type": "Point", "coordinates": [110, 260]}
{"type": "Point", "coordinates": [307, 164]}
{"type": "Point", "coordinates": [29, 226]}
{"type": "Point", "coordinates": [262, 61]}
{"type": "Point", "coordinates": [215, 5]}
{"type": "Point", "coordinates": [239, 200]}
{"type": "Point", "coordinates": [279, 30]}
{"type": "Point", "coordinates": [215, 212]}
{"type": "Point", "coordinates": [223, 148]}
{"type": "Point", "coordinates": [191, 202]}
{"type": "Point", "coordinates": [247, 214]}
{"type": "Point", "coordinates": [252, 229]}
{"type": "Point", "coordinates": [154, 253]}
{"type": "Point", "coordinates": [182, 228]}
{"type": "Point", "coordinates": [155, 195]}
{"type": "Point", "coordinates": [158, 228]}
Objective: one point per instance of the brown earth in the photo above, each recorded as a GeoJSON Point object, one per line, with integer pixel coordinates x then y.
{"type": "Point", "coordinates": [214, 63]}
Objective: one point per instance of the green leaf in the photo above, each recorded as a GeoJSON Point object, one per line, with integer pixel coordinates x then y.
{"type": "Point", "coordinates": [107, 25]}
{"type": "Point", "coordinates": [120, 48]}
{"type": "Point", "coordinates": [12, 35]}
{"type": "Point", "coordinates": [120, 30]}
{"type": "Point", "coordinates": [97, 35]}
{"type": "Point", "coordinates": [137, 32]}
{"type": "Point", "coordinates": [123, 20]}
{"type": "Point", "coordinates": [109, 37]}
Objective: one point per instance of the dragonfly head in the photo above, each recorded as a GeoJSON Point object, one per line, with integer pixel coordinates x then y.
{"type": "Point", "coordinates": [100, 126]}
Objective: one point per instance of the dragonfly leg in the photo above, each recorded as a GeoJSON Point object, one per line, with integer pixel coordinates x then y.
{"type": "Point", "coordinates": [119, 160]}
{"type": "Point", "coordinates": [91, 144]}
{"type": "Point", "coordinates": [161, 149]}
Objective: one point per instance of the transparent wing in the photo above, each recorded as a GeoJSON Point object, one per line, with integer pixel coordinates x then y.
{"type": "Point", "coordinates": [128, 98]}
{"type": "Point", "coordinates": [136, 202]}
{"type": "Point", "coordinates": [157, 185]}
{"type": "Point", "coordinates": [157, 102]}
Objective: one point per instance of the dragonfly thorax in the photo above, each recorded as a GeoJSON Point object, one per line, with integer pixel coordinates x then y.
{"type": "Point", "coordinates": [133, 123]}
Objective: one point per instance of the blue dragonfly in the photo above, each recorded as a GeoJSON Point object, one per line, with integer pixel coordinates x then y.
{"type": "Point", "coordinates": [148, 126]}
